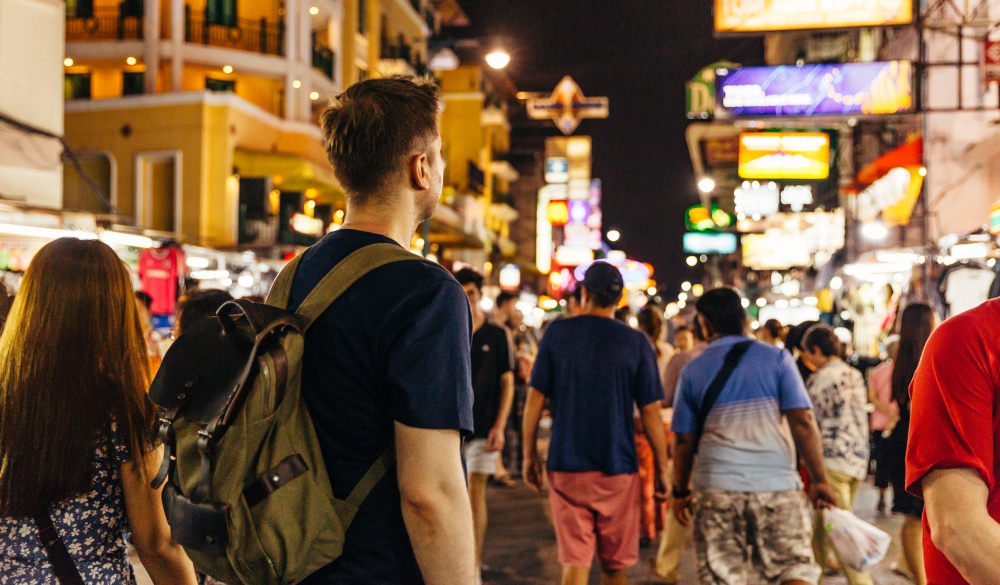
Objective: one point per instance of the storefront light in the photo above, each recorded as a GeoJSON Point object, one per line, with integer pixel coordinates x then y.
{"type": "Point", "coordinates": [682, 297]}
{"type": "Point", "coordinates": [487, 304]}
{"type": "Point", "coordinates": [875, 231]}
{"type": "Point", "coordinates": [836, 283]}
{"type": "Point", "coordinates": [29, 231]}
{"type": "Point", "coordinates": [198, 263]}
{"type": "Point", "coordinates": [781, 304]}
{"type": "Point", "coordinates": [210, 274]}
{"type": "Point", "coordinates": [692, 261]}
{"type": "Point", "coordinates": [922, 171]}
{"type": "Point", "coordinates": [706, 185]}
{"type": "Point", "coordinates": [119, 239]}
{"type": "Point", "coordinates": [745, 303]}
{"type": "Point", "coordinates": [811, 301]}
{"type": "Point", "coordinates": [762, 302]}
{"type": "Point", "coordinates": [685, 286]}
{"type": "Point", "coordinates": [697, 290]}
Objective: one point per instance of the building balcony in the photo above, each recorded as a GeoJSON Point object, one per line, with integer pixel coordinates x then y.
{"type": "Point", "coordinates": [110, 24]}
{"type": "Point", "coordinates": [242, 34]}
{"type": "Point", "coordinates": [324, 59]}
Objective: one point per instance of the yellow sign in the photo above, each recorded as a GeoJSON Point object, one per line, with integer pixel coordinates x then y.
{"type": "Point", "coordinates": [740, 16]}
{"type": "Point", "coordinates": [784, 155]}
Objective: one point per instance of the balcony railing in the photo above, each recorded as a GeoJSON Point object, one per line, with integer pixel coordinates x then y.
{"type": "Point", "coordinates": [324, 59]}
{"type": "Point", "coordinates": [259, 36]}
{"type": "Point", "coordinates": [105, 25]}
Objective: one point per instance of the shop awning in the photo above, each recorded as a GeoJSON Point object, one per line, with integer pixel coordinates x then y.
{"type": "Point", "coordinates": [447, 229]}
{"type": "Point", "coordinates": [910, 154]}
{"type": "Point", "coordinates": [290, 173]}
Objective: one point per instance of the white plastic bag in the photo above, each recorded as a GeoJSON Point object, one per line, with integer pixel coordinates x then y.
{"type": "Point", "coordinates": [859, 544]}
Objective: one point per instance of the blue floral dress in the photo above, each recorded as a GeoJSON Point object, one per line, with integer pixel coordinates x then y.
{"type": "Point", "coordinates": [93, 526]}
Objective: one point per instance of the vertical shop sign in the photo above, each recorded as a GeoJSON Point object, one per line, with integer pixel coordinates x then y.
{"type": "Point", "coordinates": [991, 61]}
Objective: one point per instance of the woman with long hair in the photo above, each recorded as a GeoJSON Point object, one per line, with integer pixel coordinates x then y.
{"type": "Point", "coordinates": [916, 324]}
{"type": "Point", "coordinates": [654, 513]}
{"type": "Point", "coordinates": [76, 426]}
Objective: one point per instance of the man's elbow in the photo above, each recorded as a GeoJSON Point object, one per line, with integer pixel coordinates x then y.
{"type": "Point", "coordinates": [432, 500]}
{"type": "Point", "coordinates": [946, 531]}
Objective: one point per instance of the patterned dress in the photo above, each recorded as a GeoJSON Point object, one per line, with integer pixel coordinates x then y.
{"type": "Point", "coordinates": [93, 525]}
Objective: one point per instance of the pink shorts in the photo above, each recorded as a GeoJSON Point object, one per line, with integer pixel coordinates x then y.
{"type": "Point", "coordinates": [591, 511]}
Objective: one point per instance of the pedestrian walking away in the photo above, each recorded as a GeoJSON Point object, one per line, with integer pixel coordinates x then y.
{"type": "Point", "coordinates": [76, 428]}
{"type": "Point", "coordinates": [594, 370]}
{"type": "Point", "coordinates": [839, 398]}
{"type": "Point", "coordinates": [493, 396]}
{"type": "Point", "coordinates": [953, 455]}
{"type": "Point", "coordinates": [740, 405]}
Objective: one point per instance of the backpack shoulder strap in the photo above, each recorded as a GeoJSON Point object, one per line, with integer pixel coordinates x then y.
{"type": "Point", "coordinates": [342, 276]}
{"type": "Point", "coordinates": [281, 290]}
{"type": "Point", "coordinates": [732, 360]}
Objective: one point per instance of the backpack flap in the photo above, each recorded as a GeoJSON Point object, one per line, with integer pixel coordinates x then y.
{"type": "Point", "coordinates": [190, 381]}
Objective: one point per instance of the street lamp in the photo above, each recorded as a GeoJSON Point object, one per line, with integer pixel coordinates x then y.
{"type": "Point", "coordinates": [614, 236]}
{"type": "Point", "coordinates": [498, 59]}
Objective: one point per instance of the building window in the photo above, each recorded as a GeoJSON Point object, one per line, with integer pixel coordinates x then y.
{"type": "Point", "coordinates": [133, 82]}
{"type": "Point", "coordinates": [222, 12]}
{"type": "Point", "coordinates": [79, 8]}
{"type": "Point", "coordinates": [363, 17]}
{"type": "Point", "coordinates": [212, 84]}
{"type": "Point", "coordinates": [77, 86]}
{"type": "Point", "coordinates": [158, 191]}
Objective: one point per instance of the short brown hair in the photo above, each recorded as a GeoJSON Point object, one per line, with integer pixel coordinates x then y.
{"type": "Point", "coordinates": [823, 338]}
{"type": "Point", "coordinates": [371, 128]}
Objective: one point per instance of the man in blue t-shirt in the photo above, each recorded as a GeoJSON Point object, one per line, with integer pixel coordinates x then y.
{"type": "Point", "coordinates": [594, 370]}
{"type": "Point", "coordinates": [387, 364]}
{"type": "Point", "coordinates": [747, 499]}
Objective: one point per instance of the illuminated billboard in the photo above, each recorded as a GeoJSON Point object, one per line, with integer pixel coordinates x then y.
{"type": "Point", "coordinates": [706, 243]}
{"type": "Point", "coordinates": [817, 90]}
{"type": "Point", "coordinates": [784, 155]}
{"type": "Point", "coordinates": [746, 16]}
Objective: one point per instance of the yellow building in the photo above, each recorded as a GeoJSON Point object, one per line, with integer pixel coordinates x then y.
{"type": "Point", "coordinates": [199, 117]}
{"type": "Point", "coordinates": [475, 131]}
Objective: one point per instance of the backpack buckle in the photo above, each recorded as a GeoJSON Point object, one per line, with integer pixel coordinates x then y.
{"type": "Point", "coordinates": [205, 443]}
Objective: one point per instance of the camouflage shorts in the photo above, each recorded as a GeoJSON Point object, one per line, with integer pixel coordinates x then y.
{"type": "Point", "coordinates": [773, 530]}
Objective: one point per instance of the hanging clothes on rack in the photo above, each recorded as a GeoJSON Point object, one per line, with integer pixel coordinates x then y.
{"type": "Point", "coordinates": [965, 286]}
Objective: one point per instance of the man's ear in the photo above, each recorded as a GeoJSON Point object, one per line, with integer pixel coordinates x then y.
{"type": "Point", "coordinates": [419, 170]}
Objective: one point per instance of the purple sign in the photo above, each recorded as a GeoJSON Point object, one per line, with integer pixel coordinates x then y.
{"type": "Point", "coordinates": [817, 90]}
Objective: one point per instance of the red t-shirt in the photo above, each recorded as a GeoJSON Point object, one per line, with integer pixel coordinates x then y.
{"type": "Point", "coordinates": [955, 421]}
{"type": "Point", "coordinates": [160, 270]}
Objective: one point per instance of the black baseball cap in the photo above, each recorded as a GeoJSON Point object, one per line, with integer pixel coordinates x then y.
{"type": "Point", "coordinates": [603, 278]}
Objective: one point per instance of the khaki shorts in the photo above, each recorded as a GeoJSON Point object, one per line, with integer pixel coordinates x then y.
{"type": "Point", "coordinates": [773, 530]}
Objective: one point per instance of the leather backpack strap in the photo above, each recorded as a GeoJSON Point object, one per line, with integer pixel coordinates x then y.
{"type": "Point", "coordinates": [62, 563]}
{"type": "Point", "coordinates": [342, 276]}
{"type": "Point", "coordinates": [732, 360]}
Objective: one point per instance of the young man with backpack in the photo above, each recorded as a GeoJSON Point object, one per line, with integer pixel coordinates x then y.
{"type": "Point", "coordinates": [740, 405]}
{"type": "Point", "coordinates": [387, 364]}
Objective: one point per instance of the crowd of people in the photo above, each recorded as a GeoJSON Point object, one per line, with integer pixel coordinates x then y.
{"type": "Point", "coordinates": [740, 443]}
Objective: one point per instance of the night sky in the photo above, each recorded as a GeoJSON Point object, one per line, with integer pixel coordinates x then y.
{"type": "Point", "coordinates": [639, 53]}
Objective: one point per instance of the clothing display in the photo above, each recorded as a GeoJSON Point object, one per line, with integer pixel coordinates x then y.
{"type": "Point", "coordinates": [161, 271]}
{"type": "Point", "coordinates": [966, 286]}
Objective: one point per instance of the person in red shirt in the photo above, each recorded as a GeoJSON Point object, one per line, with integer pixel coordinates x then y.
{"type": "Point", "coordinates": [953, 456]}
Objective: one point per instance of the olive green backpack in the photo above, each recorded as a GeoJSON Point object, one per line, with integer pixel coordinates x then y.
{"type": "Point", "coordinates": [247, 493]}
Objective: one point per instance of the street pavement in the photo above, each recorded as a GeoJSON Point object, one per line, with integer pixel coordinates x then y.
{"type": "Point", "coordinates": [521, 545]}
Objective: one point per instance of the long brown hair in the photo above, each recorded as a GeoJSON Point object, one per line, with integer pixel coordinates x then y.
{"type": "Point", "coordinates": [916, 324]}
{"type": "Point", "coordinates": [72, 357]}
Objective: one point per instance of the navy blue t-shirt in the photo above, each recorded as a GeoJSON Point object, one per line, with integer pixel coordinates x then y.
{"type": "Point", "coordinates": [394, 347]}
{"type": "Point", "coordinates": [593, 370]}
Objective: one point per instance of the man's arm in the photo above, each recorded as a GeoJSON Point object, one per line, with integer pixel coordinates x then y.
{"type": "Point", "coordinates": [961, 526]}
{"type": "Point", "coordinates": [805, 433]}
{"type": "Point", "coordinates": [497, 436]}
{"type": "Point", "coordinates": [683, 465]}
{"type": "Point", "coordinates": [435, 504]}
{"type": "Point", "coordinates": [652, 423]}
{"type": "Point", "coordinates": [532, 466]}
